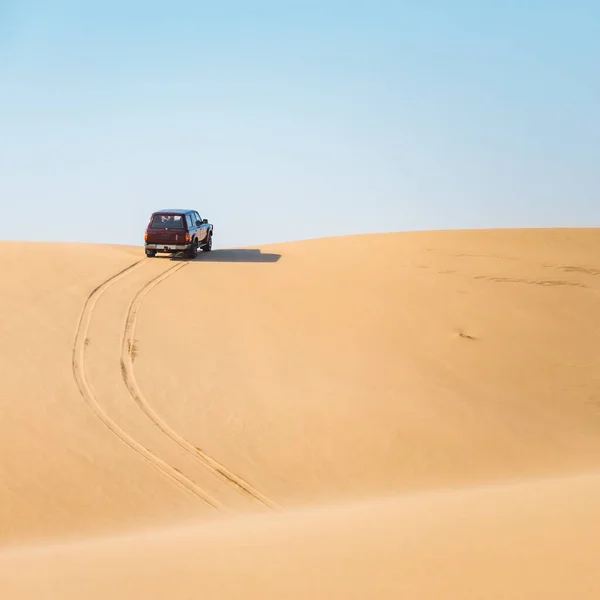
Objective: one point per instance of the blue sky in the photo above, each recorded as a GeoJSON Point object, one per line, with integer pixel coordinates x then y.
{"type": "Point", "coordinates": [291, 120]}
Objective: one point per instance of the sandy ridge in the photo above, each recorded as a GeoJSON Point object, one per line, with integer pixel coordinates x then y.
{"type": "Point", "coordinates": [426, 412]}
{"type": "Point", "coordinates": [128, 373]}
{"type": "Point", "coordinates": [78, 364]}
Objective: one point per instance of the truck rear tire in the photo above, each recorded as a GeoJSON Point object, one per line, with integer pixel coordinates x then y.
{"type": "Point", "coordinates": [193, 251]}
{"type": "Point", "coordinates": [150, 253]}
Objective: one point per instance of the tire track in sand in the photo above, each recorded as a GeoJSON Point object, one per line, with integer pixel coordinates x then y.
{"type": "Point", "coordinates": [78, 364]}
{"type": "Point", "coordinates": [130, 380]}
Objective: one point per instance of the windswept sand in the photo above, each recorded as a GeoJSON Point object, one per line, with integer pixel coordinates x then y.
{"type": "Point", "coordinates": [407, 415]}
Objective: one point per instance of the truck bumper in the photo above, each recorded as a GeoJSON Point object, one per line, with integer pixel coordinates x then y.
{"type": "Point", "coordinates": [168, 247]}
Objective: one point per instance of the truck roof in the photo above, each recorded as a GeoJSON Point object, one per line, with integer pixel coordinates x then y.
{"type": "Point", "coordinates": [176, 211]}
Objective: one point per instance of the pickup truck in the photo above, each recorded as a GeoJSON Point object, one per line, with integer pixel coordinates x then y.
{"type": "Point", "coordinates": [177, 230]}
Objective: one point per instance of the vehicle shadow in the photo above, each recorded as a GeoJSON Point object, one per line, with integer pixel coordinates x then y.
{"type": "Point", "coordinates": [243, 255]}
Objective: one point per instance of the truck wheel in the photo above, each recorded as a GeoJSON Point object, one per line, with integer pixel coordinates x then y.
{"type": "Point", "coordinates": [193, 251]}
{"type": "Point", "coordinates": [150, 253]}
{"type": "Point", "coordinates": [208, 246]}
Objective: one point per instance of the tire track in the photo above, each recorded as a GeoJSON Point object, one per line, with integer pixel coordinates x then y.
{"type": "Point", "coordinates": [134, 389]}
{"type": "Point", "coordinates": [78, 364]}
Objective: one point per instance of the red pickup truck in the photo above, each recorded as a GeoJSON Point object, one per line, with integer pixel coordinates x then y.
{"type": "Point", "coordinates": [177, 230]}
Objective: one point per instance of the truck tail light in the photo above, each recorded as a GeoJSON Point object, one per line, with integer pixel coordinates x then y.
{"type": "Point", "coordinates": [187, 237]}
{"type": "Point", "coordinates": [146, 236]}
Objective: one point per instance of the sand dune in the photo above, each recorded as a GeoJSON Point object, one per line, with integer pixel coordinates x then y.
{"type": "Point", "coordinates": [531, 540]}
{"type": "Point", "coordinates": [365, 416]}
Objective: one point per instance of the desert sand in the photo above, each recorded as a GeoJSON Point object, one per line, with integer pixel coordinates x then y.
{"type": "Point", "coordinates": [404, 415]}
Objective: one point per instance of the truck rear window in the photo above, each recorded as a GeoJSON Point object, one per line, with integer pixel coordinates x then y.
{"type": "Point", "coordinates": [167, 221]}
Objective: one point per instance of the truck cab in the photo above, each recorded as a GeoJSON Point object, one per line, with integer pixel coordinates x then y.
{"type": "Point", "coordinates": [177, 230]}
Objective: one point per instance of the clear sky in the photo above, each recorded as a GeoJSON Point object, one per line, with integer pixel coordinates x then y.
{"type": "Point", "coordinates": [287, 120]}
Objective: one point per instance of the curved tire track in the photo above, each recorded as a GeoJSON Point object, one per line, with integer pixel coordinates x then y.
{"type": "Point", "coordinates": [134, 389]}
{"type": "Point", "coordinates": [78, 364]}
